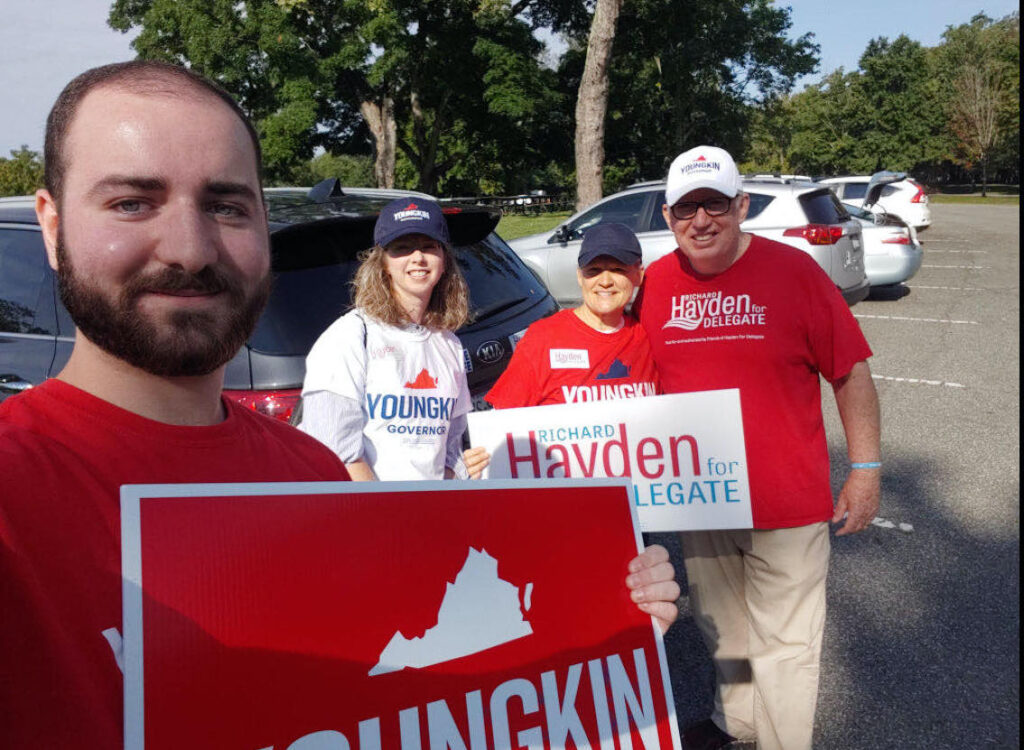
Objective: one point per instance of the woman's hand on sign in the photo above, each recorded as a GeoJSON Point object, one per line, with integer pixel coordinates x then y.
{"type": "Point", "coordinates": [476, 460]}
{"type": "Point", "coordinates": [652, 585]}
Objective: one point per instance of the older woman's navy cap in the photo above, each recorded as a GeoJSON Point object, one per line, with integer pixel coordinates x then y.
{"type": "Point", "coordinates": [410, 216]}
{"type": "Point", "coordinates": [614, 240]}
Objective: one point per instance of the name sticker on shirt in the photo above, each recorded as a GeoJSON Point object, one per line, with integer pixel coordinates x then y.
{"type": "Point", "coordinates": [570, 359]}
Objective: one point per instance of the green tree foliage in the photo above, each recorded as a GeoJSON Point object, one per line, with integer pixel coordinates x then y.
{"type": "Point", "coordinates": [770, 137]}
{"type": "Point", "coordinates": [258, 53]}
{"type": "Point", "coordinates": [304, 69]}
{"type": "Point", "coordinates": [980, 63]}
{"type": "Point", "coordinates": [907, 107]}
{"type": "Point", "coordinates": [904, 122]}
{"type": "Point", "coordinates": [353, 170]}
{"type": "Point", "coordinates": [22, 173]}
{"type": "Point", "coordinates": [689, 72]}
{"type": "Point", "coordinates": [887, 115]}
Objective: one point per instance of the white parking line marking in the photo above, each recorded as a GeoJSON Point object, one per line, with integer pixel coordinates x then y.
{"type": "Point", "coordinates": [951, 288]}
{"type": "Point", "coordinates": [969, 252]}
{"type": "Point", "coordinates": [917, 381]}
{"type": "Point", "coordinates": [885, 523]}
{"type": "Point", "coordinates": [971, 268]}
{"type": "Point", "coordinates": [917, 320]}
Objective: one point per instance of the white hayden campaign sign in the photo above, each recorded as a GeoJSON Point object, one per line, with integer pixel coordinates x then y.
{"type": "Point", "coordinates": [684, 453]}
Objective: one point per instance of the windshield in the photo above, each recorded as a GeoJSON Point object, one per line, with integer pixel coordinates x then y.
{"type": "Point", "coordinates": [311, 287]}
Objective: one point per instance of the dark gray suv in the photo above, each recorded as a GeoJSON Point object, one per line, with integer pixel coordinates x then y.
{"type": "Point", "coordinates": [314, 244]}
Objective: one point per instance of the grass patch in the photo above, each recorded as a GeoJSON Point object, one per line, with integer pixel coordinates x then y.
{"type": "Point", "coordinates": [518, 225]}
{"type": "Point", "coordinates": [991, 200]}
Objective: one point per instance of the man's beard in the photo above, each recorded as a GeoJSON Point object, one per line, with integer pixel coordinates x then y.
{"type": "Point", "coordinates": [188, 343]}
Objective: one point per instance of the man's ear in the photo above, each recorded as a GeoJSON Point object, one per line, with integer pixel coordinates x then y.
{"type": "Point", "coordinates": [744, 206]}
{"type": "Point", "coordinates": [46, 213]}
{"type": "Point", "coordinates": [668, 216]}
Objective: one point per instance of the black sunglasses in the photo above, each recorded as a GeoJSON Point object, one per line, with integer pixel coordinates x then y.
{"type": "Point", "coordinates": [712, 207]}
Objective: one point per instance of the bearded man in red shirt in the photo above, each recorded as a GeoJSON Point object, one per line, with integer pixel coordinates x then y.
{"type": "Point", "coordinates": [729, 309]}
{"type": "Point", "coordinates": [154, 221]}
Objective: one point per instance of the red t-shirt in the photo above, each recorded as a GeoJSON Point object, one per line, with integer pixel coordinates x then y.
{"type": "Point", "coordinates": [64, 455]}
{"type": "Point", "coordinates": [562, 360]}
{"type": "Point", "coordinates": [768, 325]}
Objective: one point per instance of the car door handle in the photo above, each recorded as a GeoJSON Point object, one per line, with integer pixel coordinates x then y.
{"type": "Point", "coordinates": [11, 383]}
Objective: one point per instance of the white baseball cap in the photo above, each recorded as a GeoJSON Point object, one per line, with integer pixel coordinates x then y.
{"type": "Point", "coordinates": [702, 167]}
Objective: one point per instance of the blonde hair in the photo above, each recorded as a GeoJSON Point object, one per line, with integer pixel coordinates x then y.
{"type": "Point", "coordinates": [448, 308]}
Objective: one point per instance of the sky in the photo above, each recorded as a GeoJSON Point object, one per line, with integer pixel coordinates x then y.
{"type": "Point", "coordinates": [45, 43]}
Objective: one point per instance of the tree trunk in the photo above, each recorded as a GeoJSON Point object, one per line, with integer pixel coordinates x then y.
{"type": "Point", "coordinates": [380, 118]}
{"type": "Point", "coordinates": [426, 136]}
{"type": "Point", "coordinates": [984, 175]}
{"type": "Point", "coordinates": [592, 104]}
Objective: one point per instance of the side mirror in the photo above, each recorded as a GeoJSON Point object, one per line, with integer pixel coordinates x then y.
{"type": "Point", "coordinates": [561, 235]}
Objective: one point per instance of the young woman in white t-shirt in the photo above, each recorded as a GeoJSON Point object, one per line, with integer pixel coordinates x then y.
{"type": "Point", "coordinates": [385, 386]}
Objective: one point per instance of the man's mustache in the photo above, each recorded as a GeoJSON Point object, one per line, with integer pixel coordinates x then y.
{"type": "Point", "coordinates": [210, 280]}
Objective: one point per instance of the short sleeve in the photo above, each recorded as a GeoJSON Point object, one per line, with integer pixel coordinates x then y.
{"type": "Point", "coordinates": [337, 361]}
{"type": "Point", "coordinates": [519, 384]}
{"type": "Point", "coordinates": [335, 421]}
{"type": "Point", "coordinates": [463, 402]}
{"type": "Point", "coordinates": [836, 341]}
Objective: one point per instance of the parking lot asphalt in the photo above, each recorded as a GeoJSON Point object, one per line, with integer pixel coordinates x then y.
{"type": "Point", "coordinates": [922, 646]}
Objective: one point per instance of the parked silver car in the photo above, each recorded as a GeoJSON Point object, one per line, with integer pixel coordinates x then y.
{"type": "Point", "coordinates": [800, 213]}
{"type": "Point", "coordinates": [892, 251]}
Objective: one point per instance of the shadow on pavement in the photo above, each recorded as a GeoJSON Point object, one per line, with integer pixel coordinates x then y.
{"type": "Point", "coordinates": [921, 641]}
{"type": "Point", "coordinates": [889, 293]}
{"type": "Point", "coordinates": [921, 645]}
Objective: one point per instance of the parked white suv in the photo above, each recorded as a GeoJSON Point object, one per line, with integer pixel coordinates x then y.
{"type": "Point", "coordinates": [800, 213]}
{"type": "Point", "coordinates": [904, 198]}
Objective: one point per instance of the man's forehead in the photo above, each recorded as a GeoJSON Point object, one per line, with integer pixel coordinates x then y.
{"type": "Point", "coordinates": [120, 123]}
{"type": "Point", "coordinates": [701, 194]}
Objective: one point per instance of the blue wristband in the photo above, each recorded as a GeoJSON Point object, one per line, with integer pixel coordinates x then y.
{"type": "Point", "coordinates": [866, 465]}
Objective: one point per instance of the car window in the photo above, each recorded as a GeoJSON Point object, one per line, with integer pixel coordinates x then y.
{"type": "Point", "coordinates": [312, 287]}
{"type": "Point", "coordinates": [822, 207]}
{"type": "Point", "coordinates": [859, 213]}
{"type": "Point", "coordinates": [627, 209]}
{"type": "Point", "coordinates": [854, 190]}
{"type": "Point", "coordinates": [758, 203]}
{"type": "Point", "coordinates": [657, 221]}
{"type": "Point", "coordinates": [26, 285]}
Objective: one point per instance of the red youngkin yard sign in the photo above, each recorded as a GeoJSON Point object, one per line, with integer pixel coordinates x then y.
{"type": "Point", "coordinates": [388, 616]}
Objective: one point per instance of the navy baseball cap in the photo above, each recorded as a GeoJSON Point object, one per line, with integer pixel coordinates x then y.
{"type": "Point", "coordinates": [410, 216]}
{"type": "Point", "coordinates": [614, 240]}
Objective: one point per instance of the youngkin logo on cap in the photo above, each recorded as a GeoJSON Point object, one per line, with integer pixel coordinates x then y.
{"type": "Point", "coordinates": [701, 164]}
{"type": "Point", "coordinates": [412, 213]}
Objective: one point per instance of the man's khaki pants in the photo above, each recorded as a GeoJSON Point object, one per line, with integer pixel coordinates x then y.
{"type": "Point", "coordinates": [758, 597]}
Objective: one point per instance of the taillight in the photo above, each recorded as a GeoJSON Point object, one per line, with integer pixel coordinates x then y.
{"type": "Point", "coordinates": [276, 404]}
{"type": "Point", "coordinates": [920, 196]}
{"type": "Point", "coordinates": [817, 234]}
{"type": "Point", "coordinates": [897, 239]}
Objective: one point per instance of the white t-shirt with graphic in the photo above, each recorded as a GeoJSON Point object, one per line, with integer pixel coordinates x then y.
{"type": "Point", "coordinates": [409, 382]}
